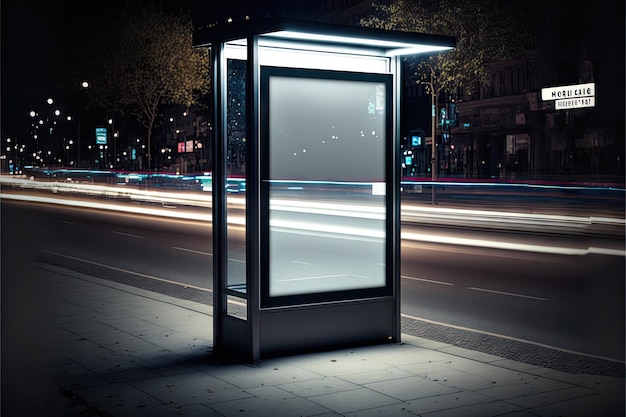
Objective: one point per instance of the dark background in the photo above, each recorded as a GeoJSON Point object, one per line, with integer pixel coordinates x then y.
{"type": "Point", "coordinates": [33, 37]}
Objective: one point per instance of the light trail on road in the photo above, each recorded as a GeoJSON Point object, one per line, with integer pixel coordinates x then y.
{"type": "Point", "coordinates": [334, 209]}
{"type": "Point", "coordinates": [410, 213]}
{"type": "Point", "coordinates": [576, 302]}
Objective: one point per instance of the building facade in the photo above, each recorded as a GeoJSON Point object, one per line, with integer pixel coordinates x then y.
{"type": "Point", "coordinates": [505, 129]}
{"type": "Point", "coordinates": [511, 131]}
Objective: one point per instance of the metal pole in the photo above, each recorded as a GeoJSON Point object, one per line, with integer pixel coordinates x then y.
{"type": "Point", "coordinates": [219, 214]}
{"type": "Point", "coordinates": [253, 199]}
{"type": "Point", "coordinates": [114, 139]}
{"type": "Point", "coordinates": [433, 154]}
{"type": "Point", "coordinates": [78, 139]}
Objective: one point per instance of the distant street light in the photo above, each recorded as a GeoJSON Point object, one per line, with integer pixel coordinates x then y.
{"type": "Point", "coordinates": [114, 136]}
{"type": "Point", "coordinates": [84, 85]}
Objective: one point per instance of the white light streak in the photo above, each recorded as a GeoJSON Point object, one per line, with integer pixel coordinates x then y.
{"type": "Point", "coordinates": [493, 244]}
{"type": "Point", "coordinates": [173, 206]}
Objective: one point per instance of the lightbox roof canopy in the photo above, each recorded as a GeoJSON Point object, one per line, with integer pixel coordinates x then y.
{"type": "Point", "coordinates": [319, 35]}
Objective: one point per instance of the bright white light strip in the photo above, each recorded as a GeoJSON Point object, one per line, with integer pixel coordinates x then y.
{"type": "Point", "coordinates": [523, 247]}
{"type": "Point", "coordinates": [492, 244]}
{"type": "Point", "coordinates": [347, 210]}
{"type": "Point", "coordinates": [328, 228]}
{"type": "Point", "coordinates": [399, 48]}
{"type": "Point", "coordinates": [118, 191]}
{"type": "Point", "coordinates": [177, 214]}
{"type": "Point", "coordinates": [504, 217]}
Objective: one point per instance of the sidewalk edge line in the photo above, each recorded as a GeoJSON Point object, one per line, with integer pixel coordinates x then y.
{"type": "Point", "coordinates": [516, 339]}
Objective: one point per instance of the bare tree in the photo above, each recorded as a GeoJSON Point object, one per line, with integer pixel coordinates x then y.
{"type": "Point", "coordinates": [137, 59]}
{"type": "Point", "coordinates": [486, 30]}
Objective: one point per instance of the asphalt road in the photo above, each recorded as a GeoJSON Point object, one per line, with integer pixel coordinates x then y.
{"type": "Point", "coordinates": [571, 302]}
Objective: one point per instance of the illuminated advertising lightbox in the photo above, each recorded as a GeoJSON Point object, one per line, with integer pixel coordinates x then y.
{"type": "Point", "coordinates": [314, 123]}
{"type": "Point", "coordinates": [416, 140]}
{"type": "Point", "coordinates": [101, 136]}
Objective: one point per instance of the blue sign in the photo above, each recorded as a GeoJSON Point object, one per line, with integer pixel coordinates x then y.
{"type": "Point", "coordinates": [416, 140]}
{"type": "Point", "coordinates": [101, 136]}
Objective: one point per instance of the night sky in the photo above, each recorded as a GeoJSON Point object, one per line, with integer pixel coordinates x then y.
{"type": "Point", "coordinates": [32, 34]}
{"type": "Point", "coordinates": [32, 39]}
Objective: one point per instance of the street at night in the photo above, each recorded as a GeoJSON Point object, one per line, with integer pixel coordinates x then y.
{"type": "Point", "coordinates": [313, 208]}
{"type": "Point", "coordinates": [569, 301]}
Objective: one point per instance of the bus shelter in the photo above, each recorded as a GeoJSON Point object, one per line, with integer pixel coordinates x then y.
{"type": "Point", "coordinates": [306, 182]}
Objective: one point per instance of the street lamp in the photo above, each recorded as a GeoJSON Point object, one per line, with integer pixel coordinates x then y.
{"type": "Point", "coordinates": [9, 148]}
{"type": "Point", "coordinates": [111, 122]}
{"type": "Point", "coordinates": [34, 127]}
{"type": "Point", "coordinates": [68, 147]}
{"type": "Point", "coordinates": [83, 85]}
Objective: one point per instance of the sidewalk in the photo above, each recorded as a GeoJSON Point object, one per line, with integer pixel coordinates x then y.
{"type": "Point", "coordinates": [115, 350]}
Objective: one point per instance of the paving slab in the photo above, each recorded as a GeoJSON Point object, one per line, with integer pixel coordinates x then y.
{"type": "Point", "coordinates": [320, 386]}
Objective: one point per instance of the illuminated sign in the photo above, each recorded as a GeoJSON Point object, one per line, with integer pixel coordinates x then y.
{"type": "Point", "coordinates": [101, 136]}
{"type": "Point", "coordinates": [575, 103]}
{"type": "Point", "coordinates": [186, 146]}
{"type": "Point", "coordinates": [568, 91]}
{"type": "Point", "coordinates": [416, 140]}
{"type": "Point", "coordinates": [571, 96]}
